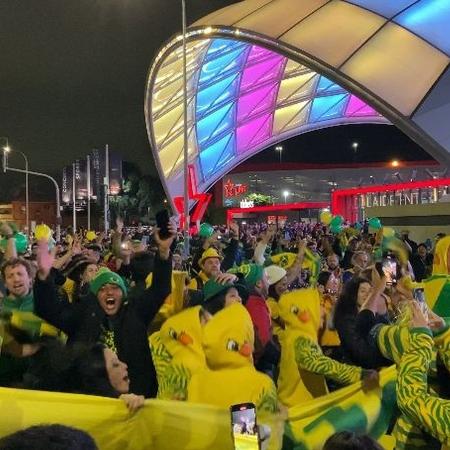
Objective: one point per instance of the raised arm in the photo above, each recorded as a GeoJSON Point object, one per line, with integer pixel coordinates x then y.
{"type": "Point", "coordinates": [152, 299]}
{"type": "Point", "coordinates": [47, 306]}
{"type": "Point", "coordinates": [426, 411]}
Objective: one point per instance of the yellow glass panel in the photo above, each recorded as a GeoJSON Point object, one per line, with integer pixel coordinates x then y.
{"type": "Point", "coordinates": [291, 116]}
{"type": "Point", "coordinates": [397, 66]}
{"type": "Point", "coordinates": [231, 14]}
{"type": "Point", "coordinates": [171, 92]}
{"type": "Point", "coordinates": [178, 166]}
{"type": "Point", "coordinates": [334, 32]}
{"type": "Point", "coordinates": [296, 87]}
{"type": "Point", "coordinates": [277, 17]}
{"type": "Point", "coordinates": [293, 67]}
{"type": "Point", "coordinates": [170, 154]}
{"type": "Point", "coordinates": [168, 123]}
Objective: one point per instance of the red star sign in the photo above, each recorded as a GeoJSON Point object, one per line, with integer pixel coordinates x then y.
{"type": "Point", "coordinates": [202, 201]}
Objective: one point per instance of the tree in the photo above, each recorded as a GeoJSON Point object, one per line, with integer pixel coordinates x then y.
{"type": "Point", "coordinates": [141, 196]}
{"type": "Point", "coordinates": [259, 199]}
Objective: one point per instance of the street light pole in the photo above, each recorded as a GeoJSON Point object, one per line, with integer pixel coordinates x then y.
{"type": "Point", "coordinates": [88, 169]}
{"type": "Point", "coordinates": [185, 136]}
{"type": "Point", "coordinates": [279, 149]}
{"type": "Point", "coordinates": [27, 199]}
{"type": "Point", "coordinates": [74, 199]}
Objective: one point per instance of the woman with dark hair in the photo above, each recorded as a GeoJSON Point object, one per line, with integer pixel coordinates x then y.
{"type": "Point", "coordinates": [79, 273]}
{"type": "Point", "coordinates": [353, 334]}
{"type": "Point", "coordinates": [347, 440]}
{"type": "Point", "coordinates": [218, 295]}
{"type": "Point", "coordinates": [92, 370]}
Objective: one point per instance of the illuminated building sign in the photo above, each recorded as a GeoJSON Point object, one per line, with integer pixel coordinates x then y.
{"type": "Point", "coordinates": [390, 199]}
{"type": "Point", "coordinates": [247, 204]}
{"type": "Point", "coordinates": [351, 203]}
{"type": "Point", "coordinates": [231, 189]}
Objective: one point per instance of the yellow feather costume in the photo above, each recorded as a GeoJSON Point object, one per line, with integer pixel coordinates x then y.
{"type": "Point", "coordinates": [177, 353]}
{"type": "Point", "coordinates": [303, 366]}
{"type": "Point", "coordinates": [228, 340]}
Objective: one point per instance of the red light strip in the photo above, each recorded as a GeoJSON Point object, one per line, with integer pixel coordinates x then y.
{"type": "Point", "coordinates": [283, 207]}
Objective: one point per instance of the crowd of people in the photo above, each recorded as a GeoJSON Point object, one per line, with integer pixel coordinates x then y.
{"type": "Point", "coordinates": [277, 315]}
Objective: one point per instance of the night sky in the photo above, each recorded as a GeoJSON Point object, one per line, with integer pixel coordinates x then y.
{"type": "Point", "coordinates": [73, 72]}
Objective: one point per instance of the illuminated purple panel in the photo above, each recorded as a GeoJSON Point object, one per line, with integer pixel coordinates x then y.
{"type": "Point", "coordinates": [264, 71]}
{"type": "Point", "coordinates": [257, 101]}
{"type": "Point", "coordinates": [253, 132]}
{"type": "Point", "coordinates": [356, 107]}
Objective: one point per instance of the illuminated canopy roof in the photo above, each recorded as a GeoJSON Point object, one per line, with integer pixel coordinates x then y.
{"type": "Point", "coordinates": [261, 71]}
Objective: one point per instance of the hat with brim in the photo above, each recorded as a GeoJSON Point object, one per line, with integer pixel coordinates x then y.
{"type": "Point", "coordinates": [209, 253]}
{"type": "Point", "coordinates": [212, 289]}
{"type": "Point", "coordinates": [252, 273]}
{"type": "Point", "coordinates": [274, 274]}
{"type": "Point", "coordinates": [77, 266]}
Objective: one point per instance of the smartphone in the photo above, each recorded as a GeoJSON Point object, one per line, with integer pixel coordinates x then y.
{"type": "Point", "coordinates": [162, 222]}
{"type": "Point", "coordinates": [244, 427]}
{"type": "Point", "coordinates": [144, 240]}
{"type": "Point", "coordinates": [419, 295]}
{"type": "Point", "coordinates": [389, 266]}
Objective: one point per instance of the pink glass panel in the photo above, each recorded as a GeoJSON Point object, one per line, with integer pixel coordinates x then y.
{"type": "Point", "coordinates": [264, 71]}
{"type": "Point", "coordinates": [258, 52]}
{"type": "Point", "coordinates": [356, 107]}
{"type": "Point", "coordinates": [253, 132]}
{"type": "Point", "coordinates": [257, 101]}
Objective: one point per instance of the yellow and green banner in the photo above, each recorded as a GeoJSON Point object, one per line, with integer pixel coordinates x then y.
{"type": "Point", "coordinates": [168, 425]}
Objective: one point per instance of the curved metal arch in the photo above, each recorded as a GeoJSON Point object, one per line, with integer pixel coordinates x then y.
{"type": "Point", "coordinates": [172, 183]}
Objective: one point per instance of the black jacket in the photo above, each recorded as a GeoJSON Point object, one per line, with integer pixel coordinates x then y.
{"type": "Point", "coordinates": [82, 322]}
{"type": "Point", "coordinates": [358, 347]}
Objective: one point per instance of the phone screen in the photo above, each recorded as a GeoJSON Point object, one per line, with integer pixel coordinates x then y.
{"type": "Point", "coordinates": [419, 295]}
{"type": "Point", "coordinates": [244, 427]}
{"type": "Point", "coordinates": [390, 270]}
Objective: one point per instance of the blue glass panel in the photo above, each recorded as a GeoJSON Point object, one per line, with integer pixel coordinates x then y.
{"type": "Point", "coordinates": [386, 8]}
{"type": "Point", "coordinates": [228, 154]}
{"type": "Point", "coordinates": [327, 86]}
{"type": "Point", "coordinates": [215, 123]}
{"type": "Point", "coordinates": [326, 108]}
{"type": "Point", "coordinates": [218, 46]}
{"type": "Point", "coordinates": [216, 93]}
{"type": "Point", "coordinates": [429, 19]}
{"type": "Point", "coordinates": [229, 61]}
{"type": "Point", "coordinates": [212, 154]}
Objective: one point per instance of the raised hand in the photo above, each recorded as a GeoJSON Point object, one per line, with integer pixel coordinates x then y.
{"type": "Point", "coordinates": [419, 319]}
{"type": "Point", "coordinates": [370, 380]}
{"type": "Point", "coordinates": [234, 228]}
{"type": "Point", "coordinates": [225, 278]}
{"type": "Point", "coordinates": [435, 322]}
{"type": "Point", "coordinates": [119, 224]}
{"type": "Point", "coordinates": [45, 259]}
{"type": "Point", "coordinates": [6, 230]}
{"type": "Point", "coordinates": [165, 244]}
